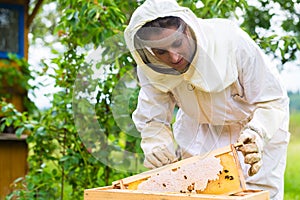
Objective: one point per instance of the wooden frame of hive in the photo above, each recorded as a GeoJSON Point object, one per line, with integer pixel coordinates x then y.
{"type": "Point", "coordinates": [230, 185]}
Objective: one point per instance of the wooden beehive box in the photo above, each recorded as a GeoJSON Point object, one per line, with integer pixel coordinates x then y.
{"type": "Point", "coordinates": [230, 183]}
{"type": "Point", "coordinates": [105, 193]}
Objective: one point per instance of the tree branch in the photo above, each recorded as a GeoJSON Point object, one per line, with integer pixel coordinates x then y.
{"type": "Point", "coordinates": [34, 12]}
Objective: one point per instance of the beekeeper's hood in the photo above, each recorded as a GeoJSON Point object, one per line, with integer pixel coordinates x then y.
{"type": "Point", "coordinates": [211, 68]}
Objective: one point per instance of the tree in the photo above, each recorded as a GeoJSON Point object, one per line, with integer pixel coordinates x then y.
{"type": "Point", "coordinates": [278, 20]}
{"type": "Point", "coordinates": [87, 139]}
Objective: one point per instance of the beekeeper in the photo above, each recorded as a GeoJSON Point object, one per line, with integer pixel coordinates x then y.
{"type": "Point", "coordinates": [223, 85]}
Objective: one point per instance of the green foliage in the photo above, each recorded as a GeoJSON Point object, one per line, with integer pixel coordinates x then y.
{"type": "Point", "coordinates": [15, 76]}
{"type": "Point", "coordinates": [282, 41]}
{"type": "Point", "coordinates": [214, 8]}
{"type": "Point", "coordinates": [87, 22]}
{"type": "Point", "coordinates": [12, 118]}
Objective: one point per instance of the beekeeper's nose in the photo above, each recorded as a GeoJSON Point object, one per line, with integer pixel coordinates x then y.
{"type": "Point", "coordinates": [174, 57]}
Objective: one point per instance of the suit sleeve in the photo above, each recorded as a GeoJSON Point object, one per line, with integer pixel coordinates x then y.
{"type": "Point", "coordinates": [153, 117]}
{"type": "Point", "coordinates": [262, 88]}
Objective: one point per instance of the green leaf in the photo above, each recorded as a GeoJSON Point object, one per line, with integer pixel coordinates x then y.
{"type": "Point", "coordinates": [19, 131]}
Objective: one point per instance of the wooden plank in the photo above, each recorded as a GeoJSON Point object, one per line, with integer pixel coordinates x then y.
{"type": "Point", "coordinates": [239, 168]}
{"type": "Point", "coordinates": [13, 163]}
{"type": "Point", "coordinates": [107, 193]}
{"type": "Point", "coordinates": [12, 137]}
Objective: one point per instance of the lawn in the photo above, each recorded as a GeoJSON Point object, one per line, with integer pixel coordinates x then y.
{"type": "Point", "coordinates": [292, 174]}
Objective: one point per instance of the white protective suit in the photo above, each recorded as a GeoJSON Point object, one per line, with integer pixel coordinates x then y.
{"type": "Point", "coordinates": [229, 85]}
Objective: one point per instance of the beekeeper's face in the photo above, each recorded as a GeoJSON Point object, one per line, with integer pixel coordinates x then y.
{"type": "Point", "coordinates": [179, 53]}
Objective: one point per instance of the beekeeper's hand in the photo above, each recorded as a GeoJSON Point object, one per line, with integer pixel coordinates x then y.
{"type": "Point", "coordinates": [252, 149]}
{"type": "Point", "coordinates": [160, 156]}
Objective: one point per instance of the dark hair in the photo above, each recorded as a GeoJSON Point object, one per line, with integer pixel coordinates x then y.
{"type": "Point", "coordinates": [161, 22]}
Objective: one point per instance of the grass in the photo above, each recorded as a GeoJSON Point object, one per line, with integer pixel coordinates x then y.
{"type": "Point", "coordinates": [295, 127]}
{"type": "Point", "coordinates": [292, 173]}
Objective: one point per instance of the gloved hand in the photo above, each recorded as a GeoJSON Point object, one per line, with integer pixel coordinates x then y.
{"type": "Point", "coordinates": [252, 149]}
{"type": "Point", "coordinates": [160, 156]}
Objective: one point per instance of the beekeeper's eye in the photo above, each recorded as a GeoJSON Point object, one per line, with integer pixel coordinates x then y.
{"type": "Point", "coordinates": [159, 51]}
{"type": "Point", "coordinates": [177, 43]}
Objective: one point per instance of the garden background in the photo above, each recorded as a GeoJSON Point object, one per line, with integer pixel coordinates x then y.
{"type": "Point", "coordinates": [62, 160]}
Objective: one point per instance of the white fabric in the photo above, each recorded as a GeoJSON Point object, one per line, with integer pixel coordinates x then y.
{"type": "Point", "coordinates": [247, 92]}
{"type": "Point", "coordinates": [216, 59]}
